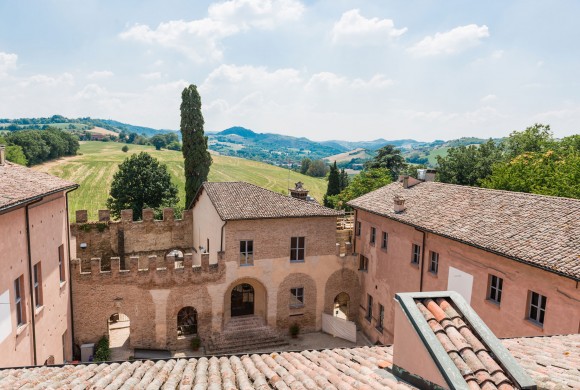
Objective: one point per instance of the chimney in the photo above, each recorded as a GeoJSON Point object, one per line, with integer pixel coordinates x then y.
{"type": "Point", "coordinates": [299, 192]}
{"type": "Point", "coordinates": [399, 205]}
{"type": "Point", "coordinates": [430, 175]}
{"type": "Point", "coordinates": [406, 181]}
{"type": "Point", "coordinates": [2, 155]}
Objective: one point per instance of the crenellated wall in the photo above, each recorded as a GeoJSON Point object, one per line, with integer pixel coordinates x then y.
{"type": "Point", "coordinates": [124, 238]}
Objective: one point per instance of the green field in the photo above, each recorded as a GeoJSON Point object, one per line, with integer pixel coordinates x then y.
{"type": "Point", "coordinates": [94, 170]}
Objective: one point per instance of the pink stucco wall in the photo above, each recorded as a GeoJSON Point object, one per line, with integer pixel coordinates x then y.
{"type": "Point", "coordinates": [48, 230]}
{"type": "Point", "coordinates": [390, 271]}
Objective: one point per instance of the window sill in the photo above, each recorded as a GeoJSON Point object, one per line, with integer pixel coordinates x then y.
{"type": "Point", "coordinates": [21, 328]}
{"type": "Point", "coordinates": [363, 270]}
{"type": "Point", "coordinates": [384, 248]}
{"type": "Point", "coordinates": [297, 261]}
{"type": "Point", "coordinates": [296, 306]}
{"type": "Point", "coordinates": [38, 310]}
{"type": "Point", "coordinates": [535, 323]}
{"type": "Point", "coordinates": [246, 265]}
{"type": "Point", "coordinates": [379, 329]}
{"type": "Point", "coordinates": [416, 265]}
{"type": "Point", "coordinates": [493, 303]}
{"type": "Point", "coordinates": [62, 284]}
{"type": "Point", "coordinates": [433, 274]}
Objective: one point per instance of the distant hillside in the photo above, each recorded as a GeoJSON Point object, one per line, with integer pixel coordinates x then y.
{"type": "Point", "coordinates": [371, 145]}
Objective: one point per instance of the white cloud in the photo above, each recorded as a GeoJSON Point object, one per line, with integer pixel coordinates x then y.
{"type": "Point", "coordinates": [264, 14]}
{"type": "Point", "coordinates": [151, 76]}
{"type": "Point", "coordinates": [453, 41]}
{"type": "Point", "coordinates": [100, 74]}
{"type": "Point", "coordinates": [47, 81]}
{"type": "Point", "coordinates": [488, 98]}
{"type": "Point", "coordinates": [200, 39]}
{"type": "Point", "coordinates": [7, 62]}
{"type": "Point", "coordinates": [377, 81]}
{"type": "Point", "coordinates": [353, 28]}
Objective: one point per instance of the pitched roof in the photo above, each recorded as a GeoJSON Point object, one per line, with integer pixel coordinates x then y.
{"type": "Point", "coordinates": [475, 362]}
{"type": "Point", "coordinates": [328, 369]}
{"type": "Point", "coordinates": [543, 231]}
{"type": "Point", "coordinates": [19, 184]}
{"type": "Point", "coordinates": [552, 361]}
{"type": "Point", "coordinates": [240, 200]}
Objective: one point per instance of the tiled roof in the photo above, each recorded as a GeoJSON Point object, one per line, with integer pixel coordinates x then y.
{"type": "Point", "coordinates": [354, 368]}
{"type": "Point", "coordinates": [552, 361]}
{"type": "Point", "coordinates": [474, 361]}
{"type": "Point", "coordinates": [239, 200]}
{"type": "Point", "coordinates": [543, 231]}
{"type": "Point", "coordinates": [19, 184]}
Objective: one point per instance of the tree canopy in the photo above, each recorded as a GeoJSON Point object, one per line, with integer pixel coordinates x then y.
{"type": "Point", "coordinates": [195, 153]}
{"type": "Point", "coordinates": [333, 183]}
{"type": "Point", "coordinates": [141, 182]}
{"type": "Point", "coordinates": [390, 158]}
{"type": "Point", "coordinates": [366, 181]}
{"type": "Point", "coordinates": [42, 145]}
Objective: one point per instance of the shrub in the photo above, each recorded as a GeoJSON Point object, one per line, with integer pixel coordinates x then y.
{"type": "Point", "coordinates": [195, 343]}
{"type": "Point", "coordinates": [125, 148]}
{"type": "Point", "coordinates": [102, 350]}
{"type": "Point", "coordinates": [294, 330]}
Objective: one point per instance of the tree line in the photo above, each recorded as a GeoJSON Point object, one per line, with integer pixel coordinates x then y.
{"type": "Point", "coordinates": [31, 147]}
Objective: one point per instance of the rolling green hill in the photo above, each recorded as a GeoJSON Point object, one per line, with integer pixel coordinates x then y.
{"type": "Point", "coordinates": [94, 170]}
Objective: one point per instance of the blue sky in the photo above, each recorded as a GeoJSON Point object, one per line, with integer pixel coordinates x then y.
{"type": "Point", "coordinates": [330, 69]}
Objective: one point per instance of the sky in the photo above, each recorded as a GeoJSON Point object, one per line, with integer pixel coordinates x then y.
{"type": "Point", "coordinates": [328, 69]}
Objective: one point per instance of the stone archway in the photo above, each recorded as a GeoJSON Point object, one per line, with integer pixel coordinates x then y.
{"type": "Point", "coordinates": [119, 328]}
{"type": "Point", "coordinates": [342, 306]}
{"type": "Point", "coordinates": [289, 310]}
{"type": "Point", "coordinates": [254, 291]}
{"type": "Point", "coordinates": [242, 300]}
{"type": "Point", "coordinates": [342, 281]}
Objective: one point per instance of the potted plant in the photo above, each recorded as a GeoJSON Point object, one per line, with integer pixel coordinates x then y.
{"type": "Point", "coordinates": [195, 343]}
{"type": "Point", "coordinates": [294, 330]}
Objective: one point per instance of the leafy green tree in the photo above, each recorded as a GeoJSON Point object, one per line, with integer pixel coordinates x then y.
{"type": "Point", "coordinates": [33, 145]}
{"type": "Point", "coordinates": [554, 173]}
{"type": "Point", "coordinates": [158, 141]}
{"type": "Point", "coordinates": [468, 165]}
{"type": "Point", "coordinates": [125, 148]}
{"type": "Point", "coordinates": [14, 153]}
{"type": "Point", "coordinates": [194, 148]}
{"type": "Point", "coordinates": [304, 165]}
{"type": "Point", "coordinates": [536, 138]}
{"type": "Point", "coordinates": [390, 158]}
{"type": "Point", "coordinates": [343, 179]}
{"type": "Point", "coordinates": [141, 182]}
{"type": "Point", "coordinates": [317, 168]}
{"type": "Point", "coordinates": [365, 182]}
{"type": "Point", "coordinates": [333, 183]}
{"type": "Point", "coordinates": [174, 146]}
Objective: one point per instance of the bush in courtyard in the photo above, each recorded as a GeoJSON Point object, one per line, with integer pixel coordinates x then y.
{"type": "Point", "coordinates": [102, 350]}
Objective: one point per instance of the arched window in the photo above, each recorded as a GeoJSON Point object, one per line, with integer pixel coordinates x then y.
{"type": "Point", "coordinates": [177, 256]}
{"type": "Point", "coordinates": [187, 321]}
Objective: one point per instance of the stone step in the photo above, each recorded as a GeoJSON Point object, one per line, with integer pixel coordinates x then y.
{"type": "Point", "coordinates": [232, 344]}
{"type": "Point", "coordinates": [251, 329]}
{"type": "Point", "coordinates": [248, 339]}
{"type": "Point", "coordinates": [257, 346]}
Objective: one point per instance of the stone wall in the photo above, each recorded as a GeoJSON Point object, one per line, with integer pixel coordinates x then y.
{"type": "Point", "coordinates": [105, 238]}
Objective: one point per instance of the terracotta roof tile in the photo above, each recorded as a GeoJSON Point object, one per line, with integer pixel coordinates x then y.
{"type": "Point", "coordinates": [467, 352]}
{"type": "Point", "coordinates": [19, 184]}
{"type": "Point", "coordinates": [239, 200]}
{"type": "Point", "coordinates": [543, 231]}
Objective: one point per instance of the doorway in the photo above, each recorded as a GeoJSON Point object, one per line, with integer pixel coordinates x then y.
{"type": "Point", "coordinates": [341, 306]}
{"type": "Point", "coordinates": [242, 300]}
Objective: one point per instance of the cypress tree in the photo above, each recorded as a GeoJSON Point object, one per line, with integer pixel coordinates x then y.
{"type": "Point", "coordinates": [195, 153]}
{"type": "Point", "coordinates": [333, 181]}
{"type": "Point", "coordinates": [343, 179]}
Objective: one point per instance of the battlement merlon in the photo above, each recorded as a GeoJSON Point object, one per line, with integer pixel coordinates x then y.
{"type": "Point", "coordinates": [138, 266]}
{"type": "Point", "coordinates": [82, 216]}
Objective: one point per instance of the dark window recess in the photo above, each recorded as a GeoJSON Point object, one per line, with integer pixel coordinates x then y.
{"type": "Point", "coordinates": [297, 249]}
{"type": "Point", "coordinates": [61, 264]}
{"type": "Point", "coordinates": [369, 315]}
{"type": "Point", "coordinates": [37, 273]}
{"type": "Point", "coordinates": [297, 297]}
{"type": "Point", "coordinates": [381, 320]}
{"type": "Point", "coordinates": [385, 240]}
{"type": "Point", "coordinates": [495, 288]}
{"type": "Point", "coordinates": [246, 252]}
{"type": "Point", "coordinates": [537, 309]}
{"type": "Point", "coordinates": [434, 262]}
{"type": "Point", "coordinates": [358, 228]}
{"type": "Point", "coordinates": [18, 295]}
{"type": "Point", "coordinates": [363, 263]}
{"type": "Point", "coordinates": [416, 254]}
{"type": "Point", "coordinates": [373, 235]}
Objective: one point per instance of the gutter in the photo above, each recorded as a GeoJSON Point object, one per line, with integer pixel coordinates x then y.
{"type": "Point", "coordinates": [422, 260]}
{"type": "Point", "coordinates": [30, 284]}
{"type": "Point", "coordinates": [222, 238]}
{"type": "Point", "coordinates": [23, 203]}
{"type": "Point", "coordinates": [70, 293]}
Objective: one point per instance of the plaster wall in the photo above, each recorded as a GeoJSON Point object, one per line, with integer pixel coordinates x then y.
{"type": "Point", "coordinates": [207, 228]}
{"type": "Point", "coordinates": [48, 231]}
{"type": "Point", "coordinates": [391, 271]}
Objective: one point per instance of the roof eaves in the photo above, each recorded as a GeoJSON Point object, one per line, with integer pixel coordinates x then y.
{"type": "Point", "coordinates": [23, 202]}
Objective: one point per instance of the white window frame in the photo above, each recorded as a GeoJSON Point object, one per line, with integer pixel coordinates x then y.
{"type": "Point", "coordinates": [540, 308]}
{"type": "Point", "coordinates": [416, 254]}
{"type": "Point", "coordinates": [246, 256]}
{"type": "Point", "coordinates": [495, 289]}
{"type": "Point", "coordinates": [18, 304]}
{"type": "Point", "coordinates": [297, 294]}
{"type": "Point", "coordinates": [37, 273]}
{"type": "Point", "coordinates": [433, 262]}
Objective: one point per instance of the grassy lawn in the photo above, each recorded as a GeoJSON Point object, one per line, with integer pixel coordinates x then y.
{"type": "Point", "coordinates": [94, 171]}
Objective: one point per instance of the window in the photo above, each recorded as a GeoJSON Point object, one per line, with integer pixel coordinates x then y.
{"type": "Point", "coordinates": [37, 274]}
{"type": "Point", "coordinates": [297, 297]}
{"type": "Point", "coordinates": [246, 252]}
{"type": "Point", "coordinates": [416, 254]}
{"type": "Point", "coordinates": [297, 249]}
{"type": "Point", "coordinates": [18, 297]}
{"type": "Point", "coordinates": [358, 228]}
{"type": "Point", "coordinates": [433, 262]}
{"type": "Point", "coordinates": [537, 307]}
{"type": "Point", "coordinates": [369, 308]}
{"type": "Point", "coordinates": [381, 320]}
{"type": "Point", "coordinates": [363, 263]}
{"type": "Point", "coordinates": [61, 265]}
{"type": "Point", "coordinates": [373, 235]}
{"type": "Point", "coordinates": [495, 288]}
{"type": "Point", "coordinates": [186, 321]}
{"type": "Point", "coordinates": [385, 240]}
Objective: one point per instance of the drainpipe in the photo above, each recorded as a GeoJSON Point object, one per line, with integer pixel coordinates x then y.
{"type": "Point", "coordinates": [70, 293]}
{"type": "Point", "coordinates": [222, 238]}
{"type": "Point", "coordinates": [30, 284]}
{"type": "Point", "coordinates": [355, 231]}
{"type": "Point", "coordinates": [422, 260]}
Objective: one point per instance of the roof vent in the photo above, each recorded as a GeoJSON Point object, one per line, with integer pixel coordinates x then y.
{"type": "Point", "coordinates": [2, 155]}
{"type": "Point", "coordinates": [399, 204]}
{"type": "Point", "coordinates": [299, 192]}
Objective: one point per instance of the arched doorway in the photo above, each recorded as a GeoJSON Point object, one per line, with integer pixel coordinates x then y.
{"type": "Point", "coordinates": [119, 327]}
{"type": "Point", "coordinates": [186, 322]}
{"type": "Point", "coordinates": [341, 306]}
{"type": "Point", "coordinates": [242, 300]}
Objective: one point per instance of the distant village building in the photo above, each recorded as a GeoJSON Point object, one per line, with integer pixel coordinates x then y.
{"type": "Point", "coordinates": [514, 257]}
{"type": "Point", "coordinates": [35, 321]}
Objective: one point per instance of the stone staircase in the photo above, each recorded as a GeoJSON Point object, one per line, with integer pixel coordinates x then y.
{"type": "Point", "coordinates": [245, 334]}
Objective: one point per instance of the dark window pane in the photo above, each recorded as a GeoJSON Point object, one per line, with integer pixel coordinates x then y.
{"type": "Point", "coordinates": [250, 246]}
{"type": "Point", "coordinates": [300, 254]}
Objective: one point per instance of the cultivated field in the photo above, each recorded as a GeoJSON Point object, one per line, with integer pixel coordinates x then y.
{"type": "Point", "coordinates": [347, 156]}
{"type": "Point", "coordinates": [94, 171]}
